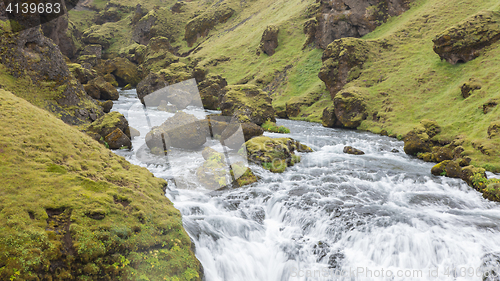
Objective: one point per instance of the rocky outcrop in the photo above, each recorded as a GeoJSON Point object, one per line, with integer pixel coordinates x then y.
{"type": "Point", "coordinates": [494, 129]}
{"type": "Point", "coordinates": [353, 18]}
{"type": "Point", "coordinates": [269, 40]}
{"type": "Point", "coordinates": [98, 34]}
{"type": "Point", "coordinates": [247, 103]}
{"type": "Point", "coordinates": [211, 89]}
{"type": "Point", "coordinates": [352, 150]}
{"type": "Point", "coordinates": [274, 154]}
{"type": "Point", "coordinates": [57, 30]}
{"type": "Point", "coordinates": [82, 73]}
{"type": "Point", "coordinates": [142, 31]}
{"type": "Point", "coordinates": [343, 62]}
{"type": "Point", "coordinates": [350, 107]}
{"type": "Point", "coordinates": [150, 84]}
{"type": "Point", "coordinates": [463, 42]}
{"type": "Point", "coordinates": [468, 87]}
{"type": "Point", "coordinates": [202, 24]}
{"type": "Point", "coordinates": [98, 88]}
{"type": "Point", "coordinates": [329, 119]}
{"type": "Point", "coordinates": [113, 129]}
{"type": "Point", "coordinates": [29, 54]}
{"type": "Point", "coordinates": [183, 130]}
{"type": "Point", "coordinates": [418, 140]}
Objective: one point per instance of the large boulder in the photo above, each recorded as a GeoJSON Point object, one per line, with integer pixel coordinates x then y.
{"type": "Point", "coordinates": [343, 62]}
{"type": "Point", "coordinates": [82, 73]}
{"type": "Point", "coordinates": [418, 140]}
{"type": "Point", "coordinates": [150, 84]}
{"type": "Point", "coordinates": [183, 130]}
{"type": "Point", "coordinates": [447, 168]}
{"type": "Point", "coordinates": [269, 40]}
{"type": "Point", "coordinates": [462, 43]}
{"type": "Point", "coordinates": [274, 154]}
{"type": "Point", "coordinates": [99, 34]}
{"type": "Point", "coordinates": [202, 24]}
{"type": "Point", "coordinates": [352, 18]}
{"type": "Point", "coordinates": [99, 88]}
{"type": "Point", "coordinates": [118, 140]}
{"type": "Point", "coordinates": [247, 103]}
{"type": "Point", "coordinates": [125, 71]}
{"type": "Point", "coordinates": [143, 29]}
{"type": "Point", "coordinates": [352, 150]}
{"type": "Point", "coordinates": [329, 119]}
{"type": "Point", "coordinates": [108, 123]}
{"type": "Point", "coordinates": [234, 137]}
{"type": "Point", "coordinates": [350, 107]}
{"type": "Point", "coordinates": [210, 90]}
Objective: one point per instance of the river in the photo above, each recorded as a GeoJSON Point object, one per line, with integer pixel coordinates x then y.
{"type": "Point", "coordinates": [333, 216]}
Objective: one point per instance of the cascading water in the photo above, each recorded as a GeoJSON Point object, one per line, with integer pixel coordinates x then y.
{"type": "Point", "coordinates": [333, 216]}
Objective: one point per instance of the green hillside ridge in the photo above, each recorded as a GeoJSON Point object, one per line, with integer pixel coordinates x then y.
{"type": "Point", "coordinates": [70, 209]}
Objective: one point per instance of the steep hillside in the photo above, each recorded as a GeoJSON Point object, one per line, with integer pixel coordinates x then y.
{"type": "Point", "coordinates": [70, 209]}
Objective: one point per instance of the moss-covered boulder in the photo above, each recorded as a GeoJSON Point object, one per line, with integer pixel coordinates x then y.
{"type": "Point", "coordinates": [125, 71]}
{"type": "Point", "coordinates": [143, 29]}
{"type": "Point", "coordinates": [462, 43]}
{"type": "Point", "coordinates": [183, 130]}
{"type": "Point", "coordinates": [108, 126]}
{"type": "Point", "coordinates": [269, 40]}
{"type": "Point", "coordinates": [93, 50]}
{"type": "Point", "coordinates": [329, 119]}
{"type": "Point", "coordinates": [418, 140]}
{"type": "Point", "coordinates": [236, 134]}
{"type": "Point", "coordinates": [294, 105]}
{"type": "Point", "coordinates": [352, 150]}
{"type": "Point", "coordinates": [211, 87]}
{"type": "Point", "coordinates": [99, 34]}
{"type": "Point", "coordinates": [150, 84]}
{"type": "Point", "coordinates": [437, 154]}
{"type": "Point", "coordinates": [350, 107]}
{"type": "Point", "coordinates": [202, 24]}
{"type": "Point", "coordinates": [71, 209]}
{"type": "Point", "coordinates": [343, 62]}
{"type": "Point", "coordinates": [99, 88]}
{"type": "Point", "coordinates": [274, 154]}
{"type": "Point", "coordinates": [247, 103]}
{"type": "Point", "coordinates": [106, 105]}
{"type": "Point", "coordinates": [158, 54]}
{"type": "Point", "coordinates": [83, 73]}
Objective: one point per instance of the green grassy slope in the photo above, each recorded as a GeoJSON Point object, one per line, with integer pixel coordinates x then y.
{"type": "Point", "coordinates": [70, 208]}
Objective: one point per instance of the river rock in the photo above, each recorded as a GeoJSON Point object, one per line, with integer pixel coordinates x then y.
{"type": "Point", "coordinates": [247, 103]}
{"type": "Point", "coordinates": [98, 88]}
{"type": "Point", "coordinates": [352, 150]}
{"type": "Point", "coordinates": [328, 119]}
{"type": "Point", "coordinates": [463, 42]}
{"type": "Point", "coordinates": [106, 105]}
{"type": "Point", "coordinates": [468, 173]}
{"type": "Point", "coordinates": [418, 139]}
{"type": "Point", "coordinates": [117, 140]}
{"type": "Point", "coordinates": [269, 40]}
{"type": "Point", "coordinates": [274, 154]}
{"type": "Point", "coordinates": [211, 88]}
{"type": "Point", "coordinates": [106, 124]}
{"type": "Point", "coordinates": [150, 84]}
{"type": "Point", "coordinates": [234, 137]}
{"type": "Point", "coordinates": [350, 107]}
{"type": "Point", "coordinates": [343, 61]}
{"type": "Point", "coordinates": [183, 130]}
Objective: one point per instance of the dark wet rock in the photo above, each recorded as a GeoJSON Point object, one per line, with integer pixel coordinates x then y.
{"type": "Point", "coordinates": [247, 103]}
{"type": "Point", "coordinates": [269, 40]}
{"type": "Point", "coordinates": [183, 130]}
{"type": "Point", "coordinates": [352, 150]}
{"type": "Point", "coordinates": [350, 107]}
{"type": "Point", "coordinates": [117, 140]}
{"type": "Point", "coordinates": [106, 105]}
{"type": "Point", "coordinates": [98, 88]}
{"type": "Point", "coordinates": [418, 140]}
{"type": "Point", "coordinates": [57, 30]}
{"type": "Point", "coordinates": [202, 24]}
{"type": "Point", "coordinates": [468, 87]}
{"type": "Point", "coordinates": [463, 42]}
{"type": "Point", "coordinates": [394, 150]}
{"type": "Point", "coordinates": [343, 62]}
{"type": "Point", "coordinates": [353, 18]}
{"type": "Point", "coordinates": [328, 119]}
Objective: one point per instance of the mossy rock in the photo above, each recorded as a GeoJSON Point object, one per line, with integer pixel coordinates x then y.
{"type": "Point", "coordinates": [72, 210]}
{"type": "Point", "coordinates": [110, 78]}
{"type": "Point", "coordinates": [493, 129]}
{"type": "Point", "coordinates": [462, 43]}
{"type": "Point", "coordinates": [213, 173]}
{"type": "Point", "coordinates": [236, 134]}
{"type": "Point", "coordinates": [350, 107]}
{"type": "Point", "coordinates": [108, 123]}
{"type": "Point", "coordinates": [98, 88]}
{"type": "Point", "coordinates": [352, 150]}
{"type": "Point", "coordinates": [294, 105]}
{"type": "Point", "coordinates": [118, 140]}
{"type": "Point", "coordinates": [211, 88]}
{"type": "Point", "coordinates": [99, 34]}
{"type": "Point", "coordinates": [492, 192]}
{"type": "Point", "coordinates": [274, 154]}
{"type": "Point", "coordinates": [468, 87]}
{"type": "Point", "coordinates": [418, 140]}
{"type": "Point", "coordinates": [343, 61]}
{"type": "Point", "coordinates": [269, 40]}
{"type": "Point", "coordinates": [125, 71]}
{"type": "Point", "coordinates": [82, 74]}
{"type": "Point", "coordinates": [202, 24]}
{"type": "Point", "coordinates": [247, 103]}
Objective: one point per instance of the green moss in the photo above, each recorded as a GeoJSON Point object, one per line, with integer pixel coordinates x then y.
{"type": "Point", "coordinates": [272, 127]}
{"type": "Point", "coordinates": [69, 203]}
